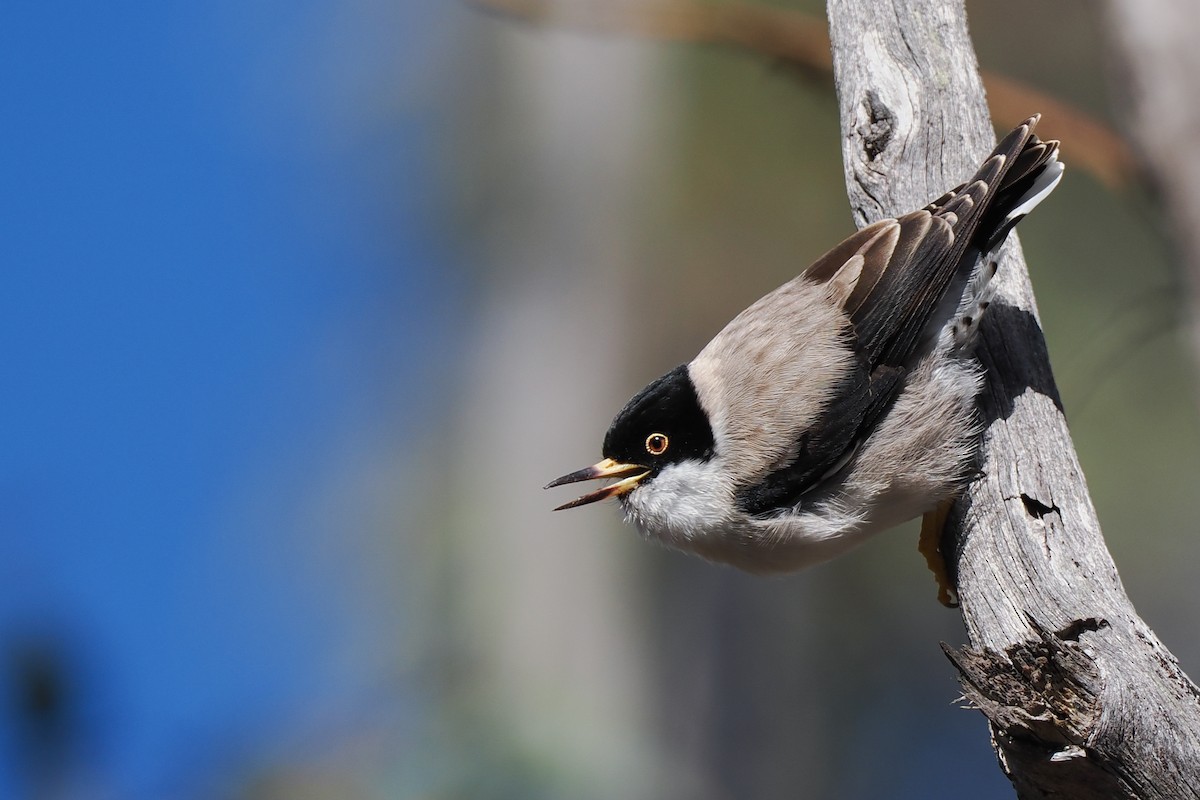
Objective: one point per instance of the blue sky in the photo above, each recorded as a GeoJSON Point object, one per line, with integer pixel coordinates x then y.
{"type": "Point", "coordinates": [222, 267]}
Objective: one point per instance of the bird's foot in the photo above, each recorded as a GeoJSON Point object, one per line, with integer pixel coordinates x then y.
{"type": "Point", "coordinates": [932, 526]}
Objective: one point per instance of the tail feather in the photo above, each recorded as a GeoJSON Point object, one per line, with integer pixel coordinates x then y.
{"type": "Point", "coordinates": [1033, 174]}
{"type": "Point", "coordinates": [1033, 170]}
{"type": "Point", "coordinates": [1037, 187]}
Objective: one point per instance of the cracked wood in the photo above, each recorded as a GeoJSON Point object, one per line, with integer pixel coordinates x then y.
{"type": "Point", "coordinates": [1082, 698]}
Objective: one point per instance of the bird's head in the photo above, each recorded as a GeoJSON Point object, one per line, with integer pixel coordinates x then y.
{"type": "Point", "coordinates": [664, 424]}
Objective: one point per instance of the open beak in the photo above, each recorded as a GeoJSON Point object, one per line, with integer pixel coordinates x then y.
{"type": "Point", "coordinates": [631, 474]}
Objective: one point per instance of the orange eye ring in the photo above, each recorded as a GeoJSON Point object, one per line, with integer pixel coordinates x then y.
{"type": "Point", "coordinates": [656, 444]}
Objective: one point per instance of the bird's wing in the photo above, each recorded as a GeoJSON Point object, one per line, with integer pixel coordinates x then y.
{"type": "Point", "coordinates": [889, 279]}
{"type": "Point", "coordinates": [827, 446]}
{"type": "Point", "coordinates": [912, 261]}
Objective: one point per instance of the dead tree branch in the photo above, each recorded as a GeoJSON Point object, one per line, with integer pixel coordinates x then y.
{"type": "Point", "coordinates": [1082, 698]}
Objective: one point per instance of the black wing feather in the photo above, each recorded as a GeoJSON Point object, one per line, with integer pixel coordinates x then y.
{"type": "Point", "coordinates": [864, 397]}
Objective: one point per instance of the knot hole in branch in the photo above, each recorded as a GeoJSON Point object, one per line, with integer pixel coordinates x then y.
{"type": "Point", "coordinates": [878, 125]}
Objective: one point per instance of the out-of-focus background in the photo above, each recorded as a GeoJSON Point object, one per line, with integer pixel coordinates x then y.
{"type": "Point", "coordinates": [305, 301]}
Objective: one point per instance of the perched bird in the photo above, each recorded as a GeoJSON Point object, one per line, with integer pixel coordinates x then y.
{"type": "Point", "coordinates": [840, 404]}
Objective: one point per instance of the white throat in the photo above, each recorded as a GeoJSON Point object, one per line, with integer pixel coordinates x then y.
{"type": "Point", "coordinates": [686, 501]}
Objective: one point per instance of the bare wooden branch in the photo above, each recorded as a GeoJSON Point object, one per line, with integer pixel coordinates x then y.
{"type": "Point", "coordinates": [1082, 698]}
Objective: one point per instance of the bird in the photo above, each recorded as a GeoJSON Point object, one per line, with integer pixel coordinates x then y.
{"type": "Point", "coordinates": [839, 405]}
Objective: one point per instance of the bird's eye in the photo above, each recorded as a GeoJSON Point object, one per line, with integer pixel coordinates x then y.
{"type": "Point", "coordinates": [656, 444]}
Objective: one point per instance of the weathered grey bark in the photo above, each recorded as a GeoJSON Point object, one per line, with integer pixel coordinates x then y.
{"type": "Point", "coordinates": [1155, 41]}
{"type": "Point", "coordinates": [1082, 698]}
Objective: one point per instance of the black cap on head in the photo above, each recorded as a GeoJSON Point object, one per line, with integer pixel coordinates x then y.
{"type": "Point", "coordinates": [663, 424]}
